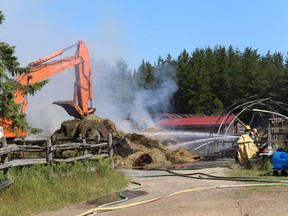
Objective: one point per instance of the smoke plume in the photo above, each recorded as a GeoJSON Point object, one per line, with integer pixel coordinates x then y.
{"type": "Point", "coordinates": [114, 94]}
{"type": "Point", "coordinates": [117, 99]}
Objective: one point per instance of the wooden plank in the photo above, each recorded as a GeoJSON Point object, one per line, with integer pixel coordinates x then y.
{"type": "Point", "coordinates": [31, 142]}
{"type": "Point", "coordinates": [23, 162]}
{"type": "Point", "coordinates": [96, 139]}
{"type": "Point", "coordinates": [77, 145]}
{"type": "Point", "coordinates": [73, 159]}
{"type": "Point", "coordinates": [99, 145]}
{"type": "Point", "coordinates": [9, 148]}
{"type": "Point", "coordinates": [4, 151]}
{"type": "Point", "coordinates": [5, 166]}
{"type": "Point", "coordinates": [27, 148]}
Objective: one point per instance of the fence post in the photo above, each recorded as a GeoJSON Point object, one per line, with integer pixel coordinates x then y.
{"type": "Point", "coordinates": [110, 148]}
{"type": "Point", "coordinates": [85, 148]}
{"type": "Point", "coordinates": [98, 138]}
{"type": "Point", "coordinates": [53, 139]}
{"type": "Point", "coordinates": [5, 159]}
{"type": "Point", "coordinates": [49, 153]}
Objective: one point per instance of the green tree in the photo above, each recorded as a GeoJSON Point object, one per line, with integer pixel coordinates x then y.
{"type": "Point", "coordinates": [220, 78]}
{"type": "Point", "coordinates": [234, 62]}
{"type": "Point", "coordinates": [285, 82]}
{"type": "Point", "coordinates": [250, 73]}
{"type": "Point", "coordinates": [145, 76]}
{"type": "Point", "coordinates": [204, 99]}
{"type": "Point", "coordinates": [165, 84]}
{"type": "Point", "coordinates": [273, 71]}
{"type": "Point", "coordinates": [9, 68]}
{"type": "Point", "coordinates": [183, 94]}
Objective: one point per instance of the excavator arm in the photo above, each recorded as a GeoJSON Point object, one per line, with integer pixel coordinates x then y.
{"type": "Point", "coordinates": [43, 68]}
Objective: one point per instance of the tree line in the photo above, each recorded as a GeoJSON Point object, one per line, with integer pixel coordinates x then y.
{"type": "Point", "coordinates": [212, 79]}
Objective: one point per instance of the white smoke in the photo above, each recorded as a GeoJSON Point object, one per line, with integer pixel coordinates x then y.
{"type": "Point", "coordinates": [41, 113]}
{"type": "Point", "coordinates": [155, 100]}
{"type": "Point", "coordinates": [117, 99]}
{"type": "Point", "coordinates": [114, 98]}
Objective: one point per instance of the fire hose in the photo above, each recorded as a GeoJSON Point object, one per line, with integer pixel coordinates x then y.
{"type": "Point", "coordinates": [261, 182]}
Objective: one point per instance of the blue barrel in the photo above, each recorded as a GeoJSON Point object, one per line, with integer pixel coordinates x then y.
{"type": "Point", "coordinates": [280, 160]}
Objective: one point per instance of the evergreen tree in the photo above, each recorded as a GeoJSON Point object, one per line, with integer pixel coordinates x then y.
{"type": "Point", "coordinates": [274, 73]}
{"type": "Point", "coordinates": [9, 67]}
{"type": "Point", "coordinates": [216, 105]}
{"type": "Point", "coordinates": [203, 100]}
{"type": "Point", "coordinates": [165, 84]}
{"type": "Point", "coordinates": [211, 80]}
{"type": "Point", "coordinates": [220, 79]}
{"type": "Point", "coordinates": [198, 83]}
{"type": "Point", "coordinates": [234, 62]}
{"type": "Point", "coordinates": [164, 70]}
{"type": "Point", "coordinates": [285, 83]}
{"type": "Point", "coordinates": [145, 76]}
{"type": "Point", "coordinates": [249, 73]}
{"type": "Point", "coordinates": [183, 95]}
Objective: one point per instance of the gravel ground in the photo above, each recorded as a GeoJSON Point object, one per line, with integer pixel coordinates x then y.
{"type": "Point", "coordinates": [232, 201]}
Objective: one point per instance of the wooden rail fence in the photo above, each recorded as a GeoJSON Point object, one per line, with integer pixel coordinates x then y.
{"type": "Point", "coordinates": [101, 148]}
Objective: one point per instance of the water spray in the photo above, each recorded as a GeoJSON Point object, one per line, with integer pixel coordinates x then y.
{"type": "Point", "coordinates": [206, 142]}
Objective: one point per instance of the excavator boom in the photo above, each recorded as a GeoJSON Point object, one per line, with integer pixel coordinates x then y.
{"type": "Point", "coordinates": [43, 68]}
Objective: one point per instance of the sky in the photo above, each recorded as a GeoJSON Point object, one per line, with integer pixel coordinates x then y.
{"type": "Point", "coordinates": [143, 29]}
{"type": "Point", "coordinates": [136, 30]}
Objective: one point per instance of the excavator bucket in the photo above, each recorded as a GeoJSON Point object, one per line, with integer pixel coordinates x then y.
{"type": "Point", "coordinates": [71, 108]}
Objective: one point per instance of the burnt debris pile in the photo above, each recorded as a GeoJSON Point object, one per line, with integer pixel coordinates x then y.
{"type": "Point", "coordinates": [130, 149]}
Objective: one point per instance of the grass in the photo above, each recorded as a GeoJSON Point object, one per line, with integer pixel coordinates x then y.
{"type": "Point", "coordinates": [257, 170]}
{"type": "Point", "coordinates": [254, 170]}
{"type": "Point", "coordinates": [40, 188]}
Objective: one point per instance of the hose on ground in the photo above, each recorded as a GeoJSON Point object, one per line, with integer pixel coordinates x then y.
{"type": "Point", "coordinates": [123, 198]}
{"type": "Point", "coordinates": [200, 175]}
{"type": "Point", "coordinates": [197, 175]}
{"type": "Point", "coordinates": [92, 211]}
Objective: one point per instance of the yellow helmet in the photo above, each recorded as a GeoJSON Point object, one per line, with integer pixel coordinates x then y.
{"type": "Point", "coordinates": [247, 127]}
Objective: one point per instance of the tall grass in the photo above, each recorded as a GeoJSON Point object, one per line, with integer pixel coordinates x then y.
{"type": "Point", "coordinates": [253, 170]}
{"type": "Point", "coordinates": [40, 188]}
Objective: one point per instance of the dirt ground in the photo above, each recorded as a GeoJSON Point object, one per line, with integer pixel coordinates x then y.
{"type": "Point", "coordinates": [223, 198]}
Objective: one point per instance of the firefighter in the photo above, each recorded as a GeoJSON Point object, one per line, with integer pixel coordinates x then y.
{"type": "Point", "coordinates": [256, 137]}
{"type": "Point", "coordinates": [251, 133]}
{"type": "Point", "coordinates": [248, 131]}
{"type": "Point", "coordinates": [246, 148]}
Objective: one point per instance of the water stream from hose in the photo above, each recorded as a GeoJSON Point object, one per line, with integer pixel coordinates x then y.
{"type": "Point", "coordinates": [195, 141]}
{"type": "Point", "coordinates": [199, 143]}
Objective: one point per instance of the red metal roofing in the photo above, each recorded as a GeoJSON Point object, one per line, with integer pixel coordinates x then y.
{"type": "Point", "coordinates": [196, 121]}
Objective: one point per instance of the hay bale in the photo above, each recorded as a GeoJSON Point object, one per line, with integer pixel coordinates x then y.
{"type": "Point", "coordinates": [89, 127]}
{"type": "Point", "coordinates": [184, 155]}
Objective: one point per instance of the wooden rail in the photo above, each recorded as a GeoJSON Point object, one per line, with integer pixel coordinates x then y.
{"type": "Point", "coordinates": [48, 146]}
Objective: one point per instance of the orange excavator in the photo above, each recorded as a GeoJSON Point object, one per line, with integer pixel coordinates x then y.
{"type": "Point", "coordinates": [42, 69]}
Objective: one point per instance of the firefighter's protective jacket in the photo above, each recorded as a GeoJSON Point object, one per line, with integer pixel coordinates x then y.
{"type": "Point", "coordinates": [246, 148]}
